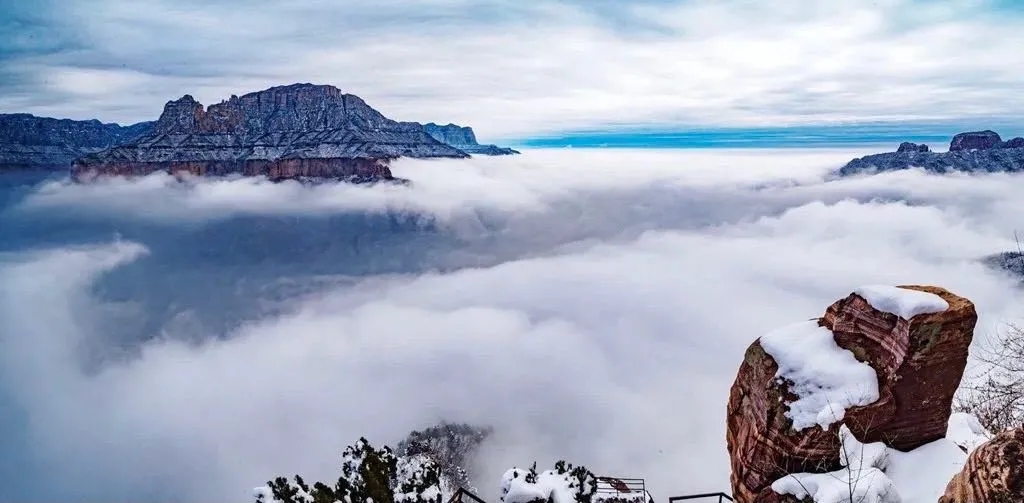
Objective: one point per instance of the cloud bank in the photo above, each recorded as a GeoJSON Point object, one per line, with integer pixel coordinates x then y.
{"type": "Point", "coordinates": [587, 310]}
{"type": "Point", "coordinates": [514, 69]}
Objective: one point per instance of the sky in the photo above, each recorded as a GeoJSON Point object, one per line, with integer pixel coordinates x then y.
{"type": "Point", "coordinates": [584, 313]}
{"type": "Point", "coordinates": [526, 71]}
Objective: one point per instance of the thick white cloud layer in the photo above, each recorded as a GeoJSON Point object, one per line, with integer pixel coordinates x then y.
{"type": "Point", "coordinates": [606, 332]}
{"type": "Point", "coordinates": [514, 69]}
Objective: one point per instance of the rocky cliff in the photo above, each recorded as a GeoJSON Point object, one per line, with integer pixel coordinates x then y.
{"type": "Point", "coordinates": [881, 365]}
{"type": "Point", "coordinates": [27, 141]}
{"type": "Point", "coordinates": [977, 151]}
{"type": "Point", "coordinates": [463, 139]}
{"type": "Point", "coordinates": [295, 131]}
{"type": "Point", "coordinates": [994, 473]}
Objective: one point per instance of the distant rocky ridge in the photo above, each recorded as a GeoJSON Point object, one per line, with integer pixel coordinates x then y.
{"type": "Point", "coordinates": [463, 139]}
{"type": "Point", "coordinates": [295, 131]}
{"type": "Point", "coordinates": [28, 141]}
{"type": "Point", "coordinates": [976, 151]}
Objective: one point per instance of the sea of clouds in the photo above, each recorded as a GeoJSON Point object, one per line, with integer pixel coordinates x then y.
{"type": "Point", "coordinates": [186, 341]}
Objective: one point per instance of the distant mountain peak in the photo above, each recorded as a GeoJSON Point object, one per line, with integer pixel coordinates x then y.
{"type": "Point", "coordinates": [297, 130]}
{"type": "Point", "coordinates": [463, 138]}
{"type": "Point", "coordinates": [971, 151]}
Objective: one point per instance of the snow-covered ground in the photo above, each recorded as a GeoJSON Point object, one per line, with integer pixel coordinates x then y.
{"type": "Point", "coordinates": [874, 473]}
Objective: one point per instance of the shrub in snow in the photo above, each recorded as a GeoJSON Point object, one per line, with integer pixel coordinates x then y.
{"type": "Point", "coordinates": [875, 473]}
{"type": "Point", "coordinates": [862, 479]}
{"type": "Point", "coordinates": [997, 397]}
{"type": "Point", "coordinates": [367, 475]}
{"type": "Point", "coordinates": [564, 484]}
{"type": "Point", "coordinates": [449, 445]}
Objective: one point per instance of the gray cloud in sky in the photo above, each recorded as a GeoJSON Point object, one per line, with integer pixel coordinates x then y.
{"type": "Point", "coordinates": [514, 69]}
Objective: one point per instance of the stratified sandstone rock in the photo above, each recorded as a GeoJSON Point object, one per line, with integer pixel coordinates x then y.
{"type": "Point", "coordinates": [919, 363]}
{"type": "Point", "coordinates": [994, 472]}
{"type": "Point", "coordinates": [464, 139]}
{"type": "Point", "coordinates": [27, 141]}
{"type": "Point", "coordinates": [301, 130]}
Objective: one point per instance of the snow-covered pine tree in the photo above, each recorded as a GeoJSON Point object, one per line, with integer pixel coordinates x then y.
{"type": "Point", "coordinates": [367, 474]}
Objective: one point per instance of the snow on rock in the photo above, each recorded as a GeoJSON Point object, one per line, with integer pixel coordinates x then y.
{"type": "Point", "coordinates": [902, 302]}
{"type": "Point", "coordinates": [921, 475]}
{"type": "Point", "coordinates": [789, 378]}
{"type": "Point", "coordinates": [993, 473]}
{"type": "Point", "coordinates": [861, 480]}
{"type": "Point", "coordinates": [879, 474]}
{"type": "Point", "coordinates": [966, 431]}
{"type": "Point", "coordinates": [826, 378]}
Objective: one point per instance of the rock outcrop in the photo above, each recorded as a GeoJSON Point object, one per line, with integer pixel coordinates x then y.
{"type": "Point", "coordinates": [463, 139]}
{"type": "Point", "coordinates": [31, 142]}
{"type": "Point", "coordinates": [975, 140]}
{"type": "Point", "coordinates": [994, 472]}
{"type": "Point", "coordinates": [918, 358]}
{"type": "Point", "coordinates": [296, 131]}
{"type": "Point", "coordinates": [912, 147]}
{"type": "Point", "coordinates": [978, 151]}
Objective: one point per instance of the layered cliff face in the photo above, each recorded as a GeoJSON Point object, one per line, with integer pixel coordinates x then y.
{"type": "Point", "coordinates": [994, 473]}
{"type": "Point", "coordinates": [463, 139]}
{"type": "Point", "coordinates": [977, 151]}
{"type": "Point", "coordinates": [880, 367]}
{"type": "Point", "coordinates": [27, 141]}
{"type": "Point", "coordinates": [295, 131]}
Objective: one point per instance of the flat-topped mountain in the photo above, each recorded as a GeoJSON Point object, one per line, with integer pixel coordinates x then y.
{"type": "Point", "coordinates": [295, 131]}
{"type": "Point", "coordinates": [976, 151]}
{"type": "Point", "coordinates": [28, 141]}
{"type": "Point", "coordinates": [463, 138]}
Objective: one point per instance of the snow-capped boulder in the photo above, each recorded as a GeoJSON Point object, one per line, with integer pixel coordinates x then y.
{"type": "Point", "coordinates": [994, 472]}
{"type": "Point", "coordinates": [885, 361]}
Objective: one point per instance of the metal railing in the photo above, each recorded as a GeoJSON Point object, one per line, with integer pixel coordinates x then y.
{"type": "Point", "coordinates": [460, 493]}
{"type": "Point", "coordinates": [612, 488]}
{"type": "Point", "coordinates": [721, 497]}
{"type": "Point", "coordinates": [606, 485]}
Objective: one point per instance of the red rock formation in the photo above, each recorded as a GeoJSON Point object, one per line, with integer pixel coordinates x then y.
{"type": "Point", "coordinates": [280, 169]}
{"type": "Point", "coordinates": [919, 363]}
{"type": "Point", "coordinates": [994, 472]}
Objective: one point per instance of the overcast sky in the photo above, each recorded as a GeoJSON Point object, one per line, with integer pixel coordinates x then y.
{"type": "Point", "coordinates": [516, 69]}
